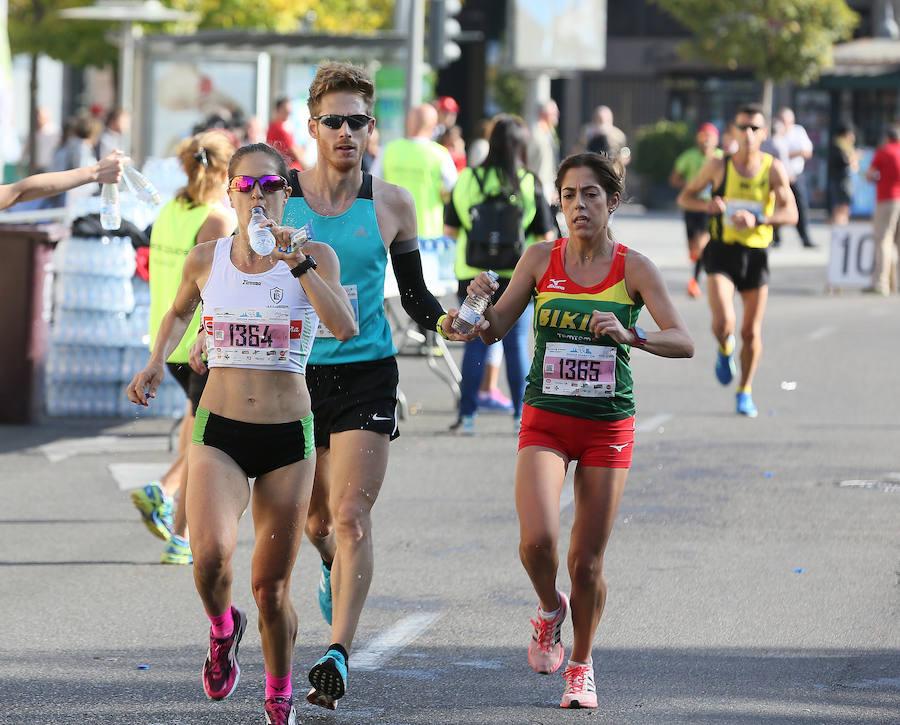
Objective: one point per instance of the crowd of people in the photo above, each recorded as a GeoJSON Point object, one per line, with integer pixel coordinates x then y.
{"type": "Point", "coordinates": [288, 362]}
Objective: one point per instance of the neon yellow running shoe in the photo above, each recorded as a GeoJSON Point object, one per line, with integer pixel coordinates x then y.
{"type": "Point", "coordinates": [178, 551]}
{"type": "Point", "coordinates": [155, 508]}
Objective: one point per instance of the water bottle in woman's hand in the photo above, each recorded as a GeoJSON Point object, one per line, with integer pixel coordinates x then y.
{"type": "Point", "coordinates": [471, 310]}
{"type": "Point", "coordinates": [262, 241]}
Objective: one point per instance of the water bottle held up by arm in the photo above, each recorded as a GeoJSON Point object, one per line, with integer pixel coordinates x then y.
{"type": "Point", "coordinates": [471, 310]}
{"type": "Point", "coordinates": [262, 241]}
{"type": "Point", "coordinates": [110, 212]}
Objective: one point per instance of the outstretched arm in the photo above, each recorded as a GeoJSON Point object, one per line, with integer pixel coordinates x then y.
{"type": "Point", "coordinates": [106, 171]}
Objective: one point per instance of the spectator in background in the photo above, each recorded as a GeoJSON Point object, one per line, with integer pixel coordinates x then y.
{"type": "Point", "coordinates": [543, 151]}
{"type": "Point", "coordinates": [421, 166]}
{"type": "Point", "coordinates": [46, 139]}
{"type": "Point", "coordinates": [115, 135]}
{"type": "Point", "coordinates": [696, 223]}
{"type": "Point", "coordinates": [478, 149]}
{"type": "Point", "coordinates": [797, 150]}
{"type": "Point", "coordinates": [502, 172]}
{"type": "Point", "coordinates": [885, 172]}
{"type": "Point", "coordinates": [372, 152]}
{"type": "Point", "coordinates": [601, 136]}
{"type": "Point", "coordinates": [77, 151]}
{"type": "Point", "coordinates": [280, 135]}
{"type": "Point", "coordinates": [843, 164]}
{"type": "Point", "coordinates": [447, 109]}
{"type": "Point", "coordinates": [452, 140]}
{"type": "Point", "coordinates": [253, 132]}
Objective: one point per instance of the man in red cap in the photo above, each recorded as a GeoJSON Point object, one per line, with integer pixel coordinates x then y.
{"type": "Point", "coordinates": [447, 109]}
{"type": "Point", "coordinates": [696, 223]}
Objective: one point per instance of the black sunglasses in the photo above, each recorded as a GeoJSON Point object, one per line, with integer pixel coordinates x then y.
{"type": "Point", "coordinates": [268, 184]}
{"type": "Point", "coordinates": [336, 120]}
{"type": "Point", "coordinates": [745, 126]}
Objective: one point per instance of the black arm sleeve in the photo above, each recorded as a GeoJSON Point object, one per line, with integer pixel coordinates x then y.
{"type": "Point", "coordinates": [417, 301]}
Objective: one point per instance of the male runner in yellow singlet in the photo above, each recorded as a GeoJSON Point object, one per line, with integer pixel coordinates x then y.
{"type": "Point", "coordinates": [751, 195]}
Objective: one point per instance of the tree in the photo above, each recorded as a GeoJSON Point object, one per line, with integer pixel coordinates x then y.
{"type": "Point", "coordinates": [779, 40]}
{"type": "Point", "coordinates": [36, 28]}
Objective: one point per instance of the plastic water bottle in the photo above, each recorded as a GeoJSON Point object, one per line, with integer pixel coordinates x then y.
{"type": "Point", "coordinates": [471, 310]}
{"type": "Point", "coordinates": [262, 241]}
{"type": "Point", "coordinates": [141, 186]}
{"type": "Point", "coordinates": [110, 215]}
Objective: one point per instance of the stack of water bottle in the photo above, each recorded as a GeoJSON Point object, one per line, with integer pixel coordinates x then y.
{"type": "Point", "coordinates": [98, 337]}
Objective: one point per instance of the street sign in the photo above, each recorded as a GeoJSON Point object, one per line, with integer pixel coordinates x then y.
{"type": "Point", "coordinates": [852, 256]}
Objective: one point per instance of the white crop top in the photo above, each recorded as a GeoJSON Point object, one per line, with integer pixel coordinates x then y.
{"type": "Point", "coordinates": [259, 321]}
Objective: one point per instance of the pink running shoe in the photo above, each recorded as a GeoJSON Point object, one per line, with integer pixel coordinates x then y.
{"type": "Point", "coordinates": [580, 690]}
{"type": "Point", "coordinates": [280, 711]}
{"type": "Point", "coordinates": [221, 672]}
{"type": "Point", "coordinates": [545, 653]}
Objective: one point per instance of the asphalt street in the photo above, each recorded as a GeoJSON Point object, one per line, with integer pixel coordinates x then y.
{"type": "Point", "coordinates": [754, 569]}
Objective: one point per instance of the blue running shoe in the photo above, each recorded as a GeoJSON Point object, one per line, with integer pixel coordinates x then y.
{"type": "Point", "coordinates": [725, 367]}
{"type": "Point", "coordinates": [329, 680]}
{"type": "Point", "coordinates": [325, 593]}
{"type": "Point", "coordinates": [745, 405]}
{"type": "Point", "coordinates": [155, 508]}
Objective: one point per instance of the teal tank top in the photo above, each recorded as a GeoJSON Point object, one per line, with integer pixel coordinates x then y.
{"type": "Point", "coordinates": [355, 238]}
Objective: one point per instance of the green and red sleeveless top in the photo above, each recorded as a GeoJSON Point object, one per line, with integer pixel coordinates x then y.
{"type": "Point", "coordinates": [572, 373]}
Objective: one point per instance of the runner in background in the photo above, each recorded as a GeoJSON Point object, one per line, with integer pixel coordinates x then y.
{"type": "Point", "coordinates": [696, 223]}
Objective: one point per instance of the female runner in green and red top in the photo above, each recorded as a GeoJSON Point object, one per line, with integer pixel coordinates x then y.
{"type": "Point", "coordinates": [579, 403]}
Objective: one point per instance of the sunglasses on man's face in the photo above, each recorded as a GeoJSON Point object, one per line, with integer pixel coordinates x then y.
{"type": "Point", "coordinates": [336, 120]}
{"type": "Point", "coordinates": [269, 184]}
{"type": "Point", "coordinates": [745, 126]}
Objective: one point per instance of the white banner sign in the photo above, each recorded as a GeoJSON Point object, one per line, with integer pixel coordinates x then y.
{"type": "Point", "coordinates": [852, 256]}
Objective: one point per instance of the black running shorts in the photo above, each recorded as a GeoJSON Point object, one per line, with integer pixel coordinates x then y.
{"type": "Point", "coordinates": [696, 222]}
{"type": "Point", "coordinates": [354, 396]}
{"type": "Point", "coordinates": [191, 383]}
{"type": "Point", "coordinates": [257, 448]}
{"type": "Point", "coordinates": [746, 267]}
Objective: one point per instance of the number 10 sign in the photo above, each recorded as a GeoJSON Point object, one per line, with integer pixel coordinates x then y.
{"type": "Point", "coordinates": [852, 256]}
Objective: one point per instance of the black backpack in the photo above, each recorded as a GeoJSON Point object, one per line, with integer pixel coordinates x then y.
{"type": "Point", "coordinates": [495, 239]}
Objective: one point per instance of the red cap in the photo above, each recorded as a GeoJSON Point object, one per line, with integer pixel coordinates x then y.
{"type": "Point", "coordinates": [446, 103]}
{"type": "Point", "coordinates": [708, 129]}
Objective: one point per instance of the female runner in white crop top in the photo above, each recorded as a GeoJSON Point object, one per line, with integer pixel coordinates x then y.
{"type": "Point", "coordinates": [254, 418]}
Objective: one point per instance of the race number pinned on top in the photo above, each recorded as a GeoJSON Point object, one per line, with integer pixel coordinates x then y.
{"type": "Point", "coordinates": [852, 256]}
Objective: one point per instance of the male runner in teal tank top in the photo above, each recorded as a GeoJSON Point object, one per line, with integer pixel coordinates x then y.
{"type": "Point", "coordinates": [353, 384]}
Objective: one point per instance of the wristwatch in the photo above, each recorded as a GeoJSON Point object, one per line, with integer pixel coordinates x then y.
{"type": "Point", "coordinates": [304, 266]}
{"type": "Point", "coordinates": [640, 337]}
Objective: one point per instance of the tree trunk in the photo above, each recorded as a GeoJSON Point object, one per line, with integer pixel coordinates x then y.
{"type": "Point", "coordinates": [32, 114]}
{"type": "Point", "coordinates": [768, 98]}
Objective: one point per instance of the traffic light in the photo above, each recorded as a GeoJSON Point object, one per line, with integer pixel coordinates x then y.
{"type": "Point", "coordinates": [443, 30]}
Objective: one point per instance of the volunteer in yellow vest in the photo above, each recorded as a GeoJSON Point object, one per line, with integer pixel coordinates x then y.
{"type": "Point", "coordinates": [422, 167]}
{"type": "Point", "coordinates": [751, 195]}
{"type": "Point", "coordinates": [195, 215]}
{"type": "Point", "coordinates": [504, 168]}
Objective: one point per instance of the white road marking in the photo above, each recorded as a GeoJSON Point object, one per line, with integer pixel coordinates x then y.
{"type": "Point", "coordinates": [134, 475]}
{"type": "Point", "coordinates": [651, 424]}
{"type": "Point", "coordinates": [62, 449]}
{"type": "Point", "coordinates": [390, 642]}
{"type": "Point", "coordinates": [821, 332]}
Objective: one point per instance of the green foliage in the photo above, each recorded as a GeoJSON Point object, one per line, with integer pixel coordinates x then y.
{"type": "Point", "coordinates": [658, 145]}
{"type": "Point", "coordinates": [508, 91]}
{"type": "Point", "coordinates": [35, 27]}
{"type": "Point", "coordinates": [779, 40]}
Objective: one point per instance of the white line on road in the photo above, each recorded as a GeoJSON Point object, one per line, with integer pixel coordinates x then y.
{"type": "Point", "coordinates": [821, 332]}
{"type": "Point", "coordinates": [651, 424]}
{"type": "Point", "coordinates": [62, 449]}
{"type": "Point", "coordinates": [388, 643]}
{"type": "Point", "coordinates": [135, 475]}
